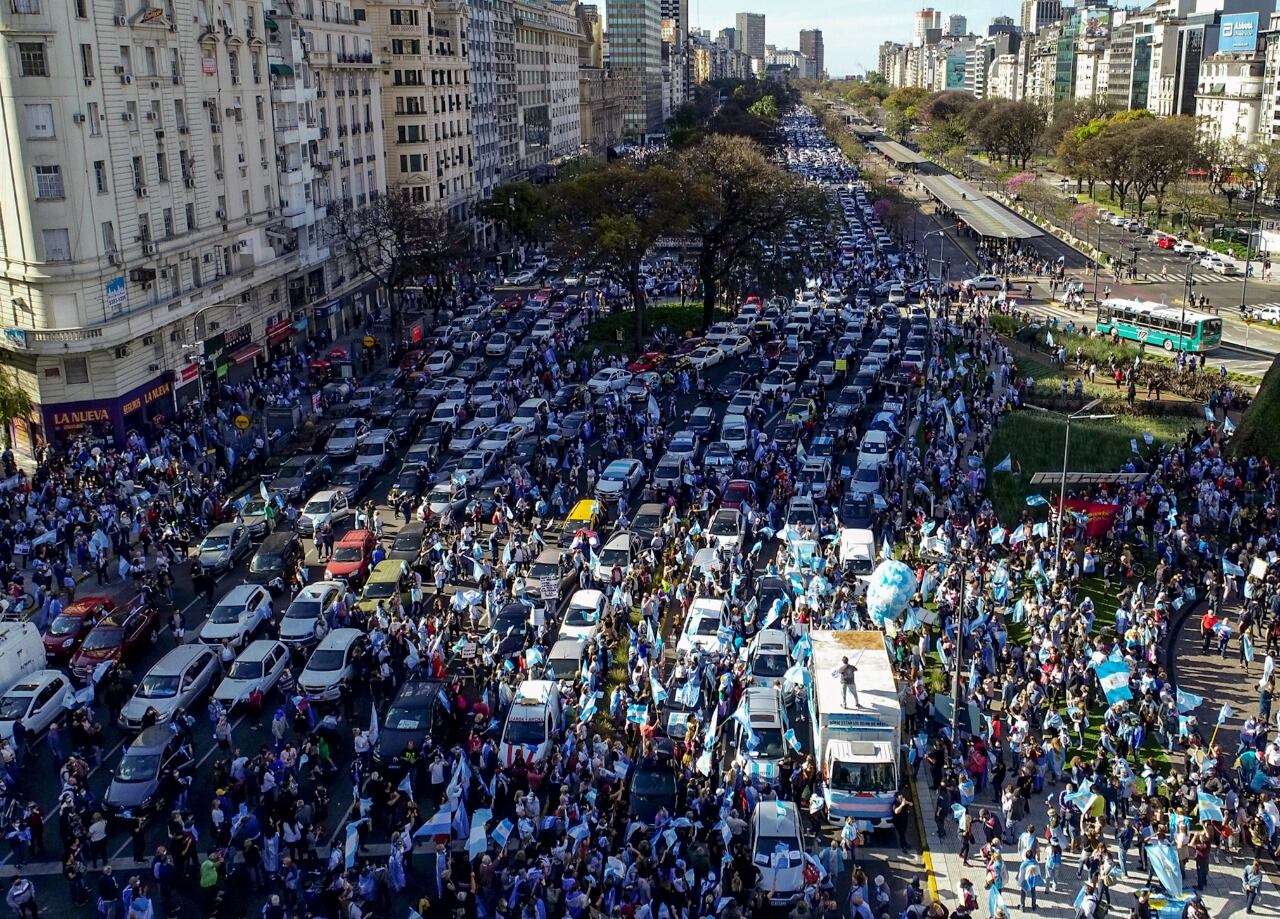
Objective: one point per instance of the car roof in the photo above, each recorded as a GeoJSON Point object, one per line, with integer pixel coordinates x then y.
{"type": "Point", "coordinates": [339, 639]}
{"type": "Point", "coordinates": [155, 737]}
{"type": "Point", "coordinates": [31, 683]}
{"type": "Point", "coordinates": [317, 589]}
{"type": "Point", "coordinates": [242, 592]}
{"type": "Point", "coordinates": [224, 528]}
{"type": "Point", "coordinates": [257, 649]}
{"type": "Point", "coordinates": [178, 659]}
{"type": "Point", "coordinates": [587, 597]}
{"type": "Point", "coordinates": [782, 820]}
{"type": "Point", "coordinates": [419, 692]}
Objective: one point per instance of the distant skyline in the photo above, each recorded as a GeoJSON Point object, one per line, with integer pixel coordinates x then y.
{"type": "Point", "coordinates": [851, 34]}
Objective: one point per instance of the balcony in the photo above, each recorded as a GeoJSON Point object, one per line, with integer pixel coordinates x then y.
{"type": "Point", "coordinates": [366, 58]}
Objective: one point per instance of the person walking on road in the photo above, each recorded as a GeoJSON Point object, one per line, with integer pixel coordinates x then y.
{"type": "Point", "coordinates": [1252, 878]}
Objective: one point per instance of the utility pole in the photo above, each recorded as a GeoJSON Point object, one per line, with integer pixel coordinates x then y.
{"type": "Point", "coordinates": [1248, 252]}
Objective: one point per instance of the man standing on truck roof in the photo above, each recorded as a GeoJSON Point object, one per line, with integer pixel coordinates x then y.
{"type": "Point", "coordinates": [846, 672]}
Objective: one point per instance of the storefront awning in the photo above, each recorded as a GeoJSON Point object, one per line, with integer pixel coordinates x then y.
{"type": "Point", "coordinates": [279, 332]}
{"type": "Point", "coordinates": [245, 354]}
{"type": "Point", "coordinates": [281, 70]}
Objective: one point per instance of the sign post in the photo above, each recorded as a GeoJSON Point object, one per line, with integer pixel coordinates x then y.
{"type": "Point", "coordinates": [242, 422]}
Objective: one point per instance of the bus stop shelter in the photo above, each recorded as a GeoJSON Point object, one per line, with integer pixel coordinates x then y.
{"type": "Point", "coordinates": [864, 131]}
{"type": "Point", "coordinates": [986, 218]}
{"type": "Point", "coordinates": [900, 156]}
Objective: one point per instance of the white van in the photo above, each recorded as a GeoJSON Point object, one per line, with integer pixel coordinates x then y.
{"type": "Point", "coordinates": [858, 554]}
{"type": "Point", "coordinates": [21, 652]}
{"type": "Point", "coordinates": [777, 849]}
{"type": "Point", "coordinates": [533, 721]}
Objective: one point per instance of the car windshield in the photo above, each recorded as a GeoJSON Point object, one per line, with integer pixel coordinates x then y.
{"type": "Point", "coordinates": [138, 767]}
{"type": "Point", "coordinates": [872, 777]}
{"type": "Point", "coordinates": [227, 614]}
{"type": "Point", "coordinates": [668, 469]}
{"type": "Point", "coordinates": [611, 557]}
{"type": "Point", "coordinates": [771, 744]}
{"type": "Point", "coordinates": [581, 615]}
{"type": "Point", "coordinates": [526, 732]}
{"type": "Point", "coordinates": [616, 473]}
{"type": "Point", "coordinates": [65, 625]}
{"type": "Point", "coordinates": [707, 625]}
{"type": "Point", "coordinates": [254, 507]}
{"type": "Point", "coordinates": [104, 637]}
{"type": "Point", "coordinates": [348, 554]}
{"type": "Point", "coordinates": [245, 670]}
{"type": "Point", "coordinates": [724, 525]}
{"type": "Point", "coordinates": [214, 543]}
{"type": "Point", "coordinates": [372, 448]}
{"type": "Point", "coordinates": [653, 783]}
{"type": "Point", "coordinates": [867, 474]}
{"type": "Point", "coordinates": [403, 718]}
{"type": "Point", "coordinates": [265, 561]}
{"type": "Point", "coordinates": [158, 686]}
{"type": "Point", "coordinates": [347, 477]}
{"type": "Point", "coordinates": [318, 507]}
{"type": "Point", "coordinates": [770, 665]}
{"type": "Point", "coordinates": [326, 659]}
{"type": "Point", "coordinates": [13, 707]}
{"type": "Point", "coordinates": [647, 522]}
{"type": "Point", "coordinates": [303, 609]}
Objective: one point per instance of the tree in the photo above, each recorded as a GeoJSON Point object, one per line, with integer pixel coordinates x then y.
{"type": "Point", "coordinates": [518, 207]}
{"type": "Point", "coordinates": [611, 217]}
{"type": "Point", "coordinates": [1014, 129]}
{"type": "Point", "coordinates": [1165, 148]}
{"type": "Point", "coordinates": [735, 198]}
{"type": "Point", "coordinates": [766, 108]}
{"type": "Point", "coordinates": [15, 402]}
{"type": "Point", "coordinates": [397, 240]}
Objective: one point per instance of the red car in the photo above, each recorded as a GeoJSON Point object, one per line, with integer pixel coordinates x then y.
{"type": "Point", "coordinates": [511, 304]}
{"type": "Point", "coordinates": [73, 624]}
{"type": "Point", "coordinates": [1166, 242]}
{"type": "Point", "coordinates": [121, 634]}
{"type": "Point", "coordinates": [738, 494]}
{"type": "Point", "coordinates": [412, 361]}
{"type": "Point", "coordinates": [651, 360]}
{"type": "Point", "coordinates": [546, 295]}
{"type": "Point", "coordinates": [351, 557]}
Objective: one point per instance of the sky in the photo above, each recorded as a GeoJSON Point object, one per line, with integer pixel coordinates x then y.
{"type": "Point", "coordinates": [851, 30]}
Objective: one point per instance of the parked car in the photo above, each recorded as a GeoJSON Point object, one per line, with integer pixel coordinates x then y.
{"type": "Point", "coordinates": [258, 667]}
{"type": "Point", "coordinates": [173, 685]}
{"type": "Point", "coordinates": [236, 616]}
{"type": "Point", "coordinates": [223, 547]}
{"type": "Point", "coordinates": [121, 634]}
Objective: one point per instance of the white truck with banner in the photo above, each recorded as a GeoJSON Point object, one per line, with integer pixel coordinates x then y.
{"type": "Point", "coordinates": [858, 746]}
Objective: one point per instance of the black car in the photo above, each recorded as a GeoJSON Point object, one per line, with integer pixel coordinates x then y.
{"type": "Point", "coordinates": [306, 473]}
{"type": "Point", "coordinates": [567, 396]}
{"type": "Point", "coordinates": [652, 782]}
{"type": "Point", "coordinates": [486, 496]}
{"type": "Point", "coordinates": [787, 434]}
{"type": "Point", "coordinates": [407, 544]}
{"type": "Point", "coordinates": [276, 557]}
{"type": "Point", "coordinates": [857, 511]}
{"type": "Point", "coordinates": [421, 710]}
{"type": "Point", "coordinates": [386, 404]}
{"type": "Point", "coordinates": [511, 630]}
{"type": "Point", "coordinates": [353, 481]}
{"type": "Point", "coordinates": [771, 588]}
{"type": "Point", "coordinates": [411, 482]}
{"type": "Point", "coordinates": [405, 423]}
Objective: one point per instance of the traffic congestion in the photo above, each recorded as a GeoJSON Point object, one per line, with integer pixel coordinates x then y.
{"type": "Point", "coordinates": [526, 628]}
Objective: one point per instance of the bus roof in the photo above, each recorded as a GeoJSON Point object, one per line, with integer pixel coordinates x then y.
{"type": "Point", "coordinates": [1158, 310]}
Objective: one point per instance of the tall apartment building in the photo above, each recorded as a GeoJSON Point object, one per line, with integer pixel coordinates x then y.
{"type": "Point", "coordinates": [1036, 14]}
{"type": "Point", "coordinates": [508, 108]}
{"type": "Point", "coordinates": [926, 20]}
{"type": "Point", "coordinates": [811, 47]}
{"type": "Point", "coordinates": [675, 49]}
{"type": "Point", "coordinates": [1229, 96]}
{"type": "Point", "coordinates": [728, 38]}
{"type": "Point", "coordinates": [751, 39]}
{"type": "Point", "coordinates": [957, 25]}
{"type": "Point", "coordinates": [426, 100]}
{"type": "Point", "coordinates": [143, 178]}
{"type": "Point", "coordinates": [599, 90]}
{"type": "Point", "coordinates": [483, 62]}
{"type": "Point", "coordinates": [547, 39]}
{"type": "Point", "coordinates": [635, 55]}
{"type": "Point", "coordinates": [326, 94]}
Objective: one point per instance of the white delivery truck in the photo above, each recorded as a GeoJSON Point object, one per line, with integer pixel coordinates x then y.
{"type": "Point", "coordinates": [858, 747]}
{"type": "Point", "coordinates": [532, 723]}
{"type": "Point", "coordinates": [21, 652]}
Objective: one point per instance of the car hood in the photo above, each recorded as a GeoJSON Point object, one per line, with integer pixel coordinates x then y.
{"type": "Point", "coordinates": [135, 708]}
{"type": "Point", "coordinates": [213, 555]}
{"type": "Point", "coordinates": [216, 631]}
{"type": "Point", "coordinates": [297, 628]}
{"type": "Point", "coordinates": [610, 485]}
{"type": "Point", "coordinates": [342, 443]}
{"type": "Point", "coordinates": [392, 743]}
{"type": "Point", "coordinates": [94, 656]}
{"type": "Point", "coordinates": [130, 794]}
{"type": "Point", "coordinates": [230, 690]}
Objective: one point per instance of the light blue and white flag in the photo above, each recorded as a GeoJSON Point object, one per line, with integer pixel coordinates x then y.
{"type": "Point", "coordinates": [1037, 501]}
{"type": "Point", "coordinates": [1225, 713]}
{"type": "Point", "coordinates": [998, 535]}
{"type": "Point", "coordinates": [1246, 645]}
{"type": "Point", "coordinates": [1209, 807]}
{"type": "Point", "coordinates": [792, 740]}
{"type": "Point", "coordinates": [1113, 677]}
{"type": "Point", "coordinates": [1232, 569]}
{"type": "Point", "coordinates": [502, 832]}
{"type": "Point", "coordinates": [406, 785]}
{"type": "Point", "coordinates": [638, 714]}
{"type": "Point", "coordinates": [477, 839]}
{"type": "Point", "coordinates": [1162, 858]}
{"type": "Point", "coordinates": [1188, 701]}
{"type": "Point", "coordinates": [1005, 465]}
{"type": "Point", "coordinates": [438, 824]}
{"type": "Point", "coordinates": [352, 845]}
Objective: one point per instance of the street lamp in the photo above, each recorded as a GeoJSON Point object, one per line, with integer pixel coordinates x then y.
{"type": "Point", "coordinates": [924, 241]}
{"type": "Point", "coordinates": [1081, 414]}
{"type": "Point", "coordinates": [1248, 251]}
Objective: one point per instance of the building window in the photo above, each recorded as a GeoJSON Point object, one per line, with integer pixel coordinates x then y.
{"type": "Point", "coordinates": [86, 60]}
{"type": "Point", "coordinates": [31, 60]}
{"type": "Point", "coordinates": [75, 369]}
{"type": "Point", "coordinates": [39, 121]}
{"type": "Point", "coordinates": [26, 6]}
{"type": "Point", "coordinates": [57, 245]}
{"type": "Point", "coordinates": [91, 116]}
{"type": "Point", "coordinates": [48, 182]}
{"type": "Point", "coordinates": [100, 176]}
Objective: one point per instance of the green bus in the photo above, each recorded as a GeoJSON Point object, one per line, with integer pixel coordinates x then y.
{"type": "Point", "coordinates": [1160, 326]}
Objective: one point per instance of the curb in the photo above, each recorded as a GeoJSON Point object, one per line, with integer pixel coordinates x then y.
{"type": "Point", "coordinates": [925, 855]}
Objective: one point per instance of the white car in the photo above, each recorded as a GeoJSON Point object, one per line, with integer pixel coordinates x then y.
{"type": "Point", "coordinates": [777, 849]}
{"type": "Point", "coordinates": [258, 667]}
{"type": "Point", "coordinates": [777, 381]}
{"type": "Point", "coordinates": [735, 433]}
{"type": "Point", "coordinates": [502, 437]}
{"type": "Point", "coordinates": [897, 294]}
{"type": "Point", "coordinates": [329, 506]}
{"type": "Point", "coordinates": [874, 448]}
{"type": "Point", "coordinates": [618, 552]}
{"type": "Point", "coordinates": [611, 379]}
{"type": "Point", "coordinates": [1215, 262]}
{"type": "Point", "coordinates": [702, 627]}
{"type": "Point", "coordinates": [306, 619]}
{"type": "Point", "coordinates": [1265, 314]}
{"type": "Point", "coordinates": [346, 437]}
{"type": "Point", "coordinates": [726, 530]}
{"type": "Point", "coordinates": [35, 700]}
{"type": "Point", "coordinates": [583, 616]}
{"type": "Point", "coordinates": [1184, 247]}
{"type": "Point", "coordinates": [572, 279]}
{"type": "Point", "coordinates": [719, 332]}
{"type": "Point", "coordinates": [706, 357]}
{"type": "Point", "coordinates": [332, 664]}
{"type": "Point", "coordinates": [620, 477]}
{"type": "Point", "coordinates": [468, 436]}
{"type": "Point", "coordinates": [498, 345]}
{"type": "Point", "coordinates": [440, 362]}
{"type": "Point", "coordinates": [519, 278]}
{"type": "Point", "coordinates": [736, 346]}
{"type": "Point", "coordinates": [985, 282]}
{"type": "Point", "coordinates": [543, 328]}
{"type": "Point", "coordinates": [237, 616]}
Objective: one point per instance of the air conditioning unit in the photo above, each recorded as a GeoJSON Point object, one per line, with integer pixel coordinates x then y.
{"type": "Point", "coordinates": [148, 341]}
{"type": "Point", "coordinates": [189, 182]}
{"type": "Point", "coordinates": [78, 118]}
{"type": "Point", "coordinates": [141, 191]}
{"type": "Point", "coordinates": [121, 21]}
{"type": "Point", "coordinates": [218, 174]}
{"type": "Point", "coordinates": [220, 214]}
{"type": "Point", "coordinates": [151, 116]}
{"type": "Point", "coordinates": [128, 116]}
{"type": "Point", "coordinates": [122, 352]}
{"type": "Point", "coordinates": [127, 79]}
{"type": "Point", "coordinates": [148, 248]}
